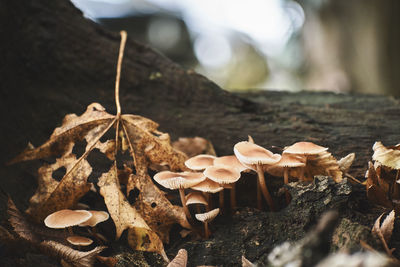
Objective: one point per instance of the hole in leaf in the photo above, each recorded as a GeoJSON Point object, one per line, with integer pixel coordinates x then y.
{"type": "Point", "coordinates": [133, 195]}
{"type": "Point", "coordinates": [79, 148]}
{"type": "Point", "coordinates": [153, 205]}
{"type": "Point", "coordinates": [101, 162]}
{"type": "Point", "coordinates": [109, 135]}
{"type": "Point", "coordinates": [59, 173]}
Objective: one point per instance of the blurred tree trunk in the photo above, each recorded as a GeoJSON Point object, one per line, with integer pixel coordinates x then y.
{"type": "Point", "coordinates": [353, 45]}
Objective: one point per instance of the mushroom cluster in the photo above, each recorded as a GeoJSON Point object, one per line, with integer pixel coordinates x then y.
{"type": "Point", "coordinates": [68, 218]}
{"type": "Point", "coordinates": [210, 174]}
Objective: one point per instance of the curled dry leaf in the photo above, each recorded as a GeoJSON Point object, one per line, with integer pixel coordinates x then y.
{"type": "Point", "coordinates": [346, 162]}
{"type": "Point", "coordinates": [387, 156]}
{"type": "Point", "coordinates": [180, 259]}
{"type": "Point", "coordinates": [385, 227]}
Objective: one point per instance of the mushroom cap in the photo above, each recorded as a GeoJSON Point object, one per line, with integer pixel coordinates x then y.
{"type": "Point", "coordinates": [200, 162]}
{"type": "Point", "coordinates": [305, 148]}
{"type": "Point", "coordinates": [222, 174]}
{"type": "Point", "coordinates": [66, 218]}
{"type": "Point", "coordinates": [387, 156]}
{"type": "Point", "coordinates": [77, 240]}
{"type": "Point", "coordinates": [231, 161]}
{"type": "Point", "coordinates": [208, 186]}
{"type": "Point", "coordinates": [208, 216]}
{"type": "Point", "coordinates": [97, 217]}
{"type": "Point", "coordinates": [249, 154]}
{"type": "Point", "coordinates": [196, 198]}
{"type": "Point", "coordinates": [291, 160]}
{"type": "Point", "coordinates": [176, 180]}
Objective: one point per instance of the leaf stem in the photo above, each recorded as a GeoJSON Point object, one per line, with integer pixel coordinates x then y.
{"type": "Point", "coordinates": [120, 57]}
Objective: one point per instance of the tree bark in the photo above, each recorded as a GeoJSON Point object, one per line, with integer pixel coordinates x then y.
{"type": "Point", "coordinates": [55, 62]}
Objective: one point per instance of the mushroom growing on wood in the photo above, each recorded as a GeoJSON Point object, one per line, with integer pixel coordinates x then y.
{"type": "Point", "coordinates": [196, 198]}
{"type": "Point", "coordinates": [206, 218]}
{"type": "Point", "coordinates": [288, 161]}
{"type": "Point", "coordinates": [304, 148]}
{"type": "Point", "coordinates": [77, 240]}
{"type": "Point", "coordinates": [254, 155]}
{"type": "Point", "coordinates": [233, 162]}
{"type": "Point", "coordinates": [97, 217]}
{"type": "Point", "coordinates": [208, 186]}
{"type": "Point", "coordinates": [200, 162]}
{"type": "Point", "coordinates": [222, 174]}
{"type": "Point", "coordinates": [179, 181]}
{"type": "Point", "coordinates": [66, 218]}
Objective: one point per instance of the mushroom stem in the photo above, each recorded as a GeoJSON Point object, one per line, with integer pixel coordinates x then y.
{"type": "Point", "coordinates": [208, 198]}
{"type": "Point", "coordinates": [259, 199]}
{"type": "Point", "coordinates": [221, 201]}
{"type": "Point", "coordinates": [183, 200]}
{"type": "Point", "coordinates": [286, 181]}
{"type": "Point", "coordinates": [206, 230]}
{"type": "Point", "coordinates": [233, 198]}
{"type": "Point", "coordinates": [70, 230]}
{"type": "Point", "coordinates": [264, 188]}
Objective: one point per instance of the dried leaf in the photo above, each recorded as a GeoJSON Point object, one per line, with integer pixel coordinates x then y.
{"type": "Point", "coordinates": [389, 157]}
{"type": "Point", "coordinates": [180, 259]}
{"type": "Point", "coordinates": [146, 240]}
{"type": "Point", "coordinates": [122, 213]}
{"type": "Point", "coordinates": [345, 162]}
{"type": "Point", "coordinates": [74, 257]}
{"type": "Point", "coordinates": [27, 230]}
{"type": "Point", "coordinates": [73, 128]}
{"type": "Point", "coordinates": [5, 235]}
{"type": "Point", "coordinates": [386, 227]}
{"type": "Point", "coordinates": [194, 146]}
{"type": "Point", "coordinates": [107, 261]}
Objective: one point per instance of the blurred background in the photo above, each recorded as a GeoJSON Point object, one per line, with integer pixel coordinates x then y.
{"type": "Point", "coordinates": [330, 45]}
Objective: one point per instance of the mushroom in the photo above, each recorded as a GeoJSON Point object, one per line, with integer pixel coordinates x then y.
{"type": "Point", "coordinates": [288, 161]}
{"type": "Point", "coordinates": [179, 181]}
{"type": "Point", "coordinates": [67, 218]}
{"type": "Point", "coordinates": [208, 186]}
{"type": "Point", "coordinates": [200, 162]}
{"type": "Point", "coordinates": [97, 217]}
{"type": "Point", "coordinates": [196, 198]}
{"type": "Point", "coordinates": [77, 240]}
{"type": "Point", "coordinates": [231, 161]}
{"type": "Point", "coordinates": [304, 148]}
{"type": "Point", "coordinates": [206, 218]}
{"type": "Point", "coordinates": [222, 175]}
{"type": "Point", "coordinates": [256, 156]}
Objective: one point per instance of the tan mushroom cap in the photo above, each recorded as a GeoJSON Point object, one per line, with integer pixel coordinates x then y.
{"type": "Point", "coordinates": [231, 161]}
{"type": "Point", "coordinates": [222, 174]}
{"type": "Point", "coordinates": [77, 240]}
{"type": "Point", "coordinates": [208, 216]}
{"type": "Point", "coordinates": [290, 160]}
{"type": "Point", "coordinates": [200, 162]}
{"type": "Point", "coordinates": [196, 198]}
{"type": "Point", "coordinates": [66, 218]}
{"type": "Point", "coordinates": [249, 154]}
{"type": "Point", "coordinates": [176, 180]}
{"type": "Point", "coordinates": [97, 217]}
{"type": "Point", "coordinates": [305, 148]}
{"type": "Point", "coordinates": [208, 186]}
